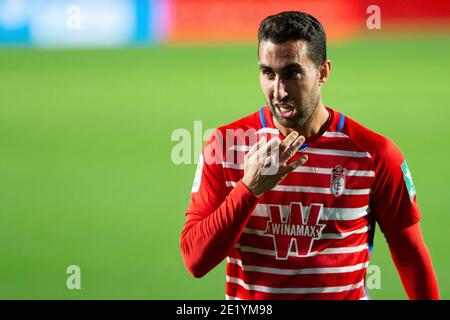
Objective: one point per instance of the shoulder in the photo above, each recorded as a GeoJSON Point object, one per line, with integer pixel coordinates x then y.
{"type": "Point", "coordinates": [241, 128]}
{"type": "Point", "coordinates": [393, 195]}
{"type": "Point", "coordinates": [237, 131]}
{"type": "Point", "coordinates": [381, 149]}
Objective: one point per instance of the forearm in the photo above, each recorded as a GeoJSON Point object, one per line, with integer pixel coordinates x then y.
{"type": "Point", "coordinates": [205, 241]}
{"type": "Point", "coordinates": [418, 276]}
{"type": "Point", "coordinates": [413, 262]}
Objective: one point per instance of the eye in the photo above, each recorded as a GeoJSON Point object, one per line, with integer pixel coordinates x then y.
{"type": "Point", "coordinates": [268, 74]}
{"type": "Point", "coordinates": [291, 74]}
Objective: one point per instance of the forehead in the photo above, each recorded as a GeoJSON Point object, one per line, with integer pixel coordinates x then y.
{"type": "Point", "coordinates": [277, 55]}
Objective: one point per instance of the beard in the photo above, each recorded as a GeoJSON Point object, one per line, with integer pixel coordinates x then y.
{"type": "Point", "coordinates": [304, 110]}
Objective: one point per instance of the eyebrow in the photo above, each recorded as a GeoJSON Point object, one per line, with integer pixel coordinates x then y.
{"type": "Point", "coordinates": [289, 66]}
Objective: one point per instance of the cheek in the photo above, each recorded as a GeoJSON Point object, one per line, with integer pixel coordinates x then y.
{"type": "Point", "coordinates": [296, 89]}
{"type": "Point", "coordinates": [304, 87]}
{"type": "Point", "coordinates": [312, 81]}
{"type": "Point", "coordinates": [266, 87]}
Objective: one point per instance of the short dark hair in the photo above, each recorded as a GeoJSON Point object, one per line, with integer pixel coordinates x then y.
{"type": "Point", "coordinates": [295, 25]}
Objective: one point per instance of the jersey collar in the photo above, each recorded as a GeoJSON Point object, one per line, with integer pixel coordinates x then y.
{"type": "Point", "coordinates": [335, 123]}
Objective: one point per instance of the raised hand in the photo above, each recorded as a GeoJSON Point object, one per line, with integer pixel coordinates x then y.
{"type": "Point", "coordinates": [265, 165]}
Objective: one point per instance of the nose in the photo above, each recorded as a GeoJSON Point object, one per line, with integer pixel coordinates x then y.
{"type": "Point", "coordinates": [280, 92]}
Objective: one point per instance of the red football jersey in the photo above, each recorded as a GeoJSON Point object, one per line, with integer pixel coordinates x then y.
{"type": "Point", "coordinates": [310, 237]}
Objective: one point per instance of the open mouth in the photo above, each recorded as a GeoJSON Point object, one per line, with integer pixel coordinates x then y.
{"type": "Point", "coordinates": [286, 111]}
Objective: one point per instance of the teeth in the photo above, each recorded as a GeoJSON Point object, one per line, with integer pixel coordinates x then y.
{"type": "Point", "coordinates": [285, 109]}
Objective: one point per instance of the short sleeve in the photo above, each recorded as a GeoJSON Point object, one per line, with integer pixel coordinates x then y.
{"type": "Point", "coordinates": [393, 201]}
{"type": "Point", "coordinates": [209, 188]}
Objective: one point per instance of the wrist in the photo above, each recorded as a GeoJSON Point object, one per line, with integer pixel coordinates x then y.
{"type": "Point", "coordinates": [250, 189]}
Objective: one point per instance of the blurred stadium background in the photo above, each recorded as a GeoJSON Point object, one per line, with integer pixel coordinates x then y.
{"type": "Point", "coordinates": [91, 91]}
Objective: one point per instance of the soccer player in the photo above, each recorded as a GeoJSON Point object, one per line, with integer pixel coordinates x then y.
{"type": "Point", "coordinates": [290, 195]}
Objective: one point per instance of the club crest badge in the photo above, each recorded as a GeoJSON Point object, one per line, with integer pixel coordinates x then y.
{"type": "Point", "coordinates": [337, 185]}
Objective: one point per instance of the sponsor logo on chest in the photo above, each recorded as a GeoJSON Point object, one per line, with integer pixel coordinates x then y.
{"type": "Point", "coordinates": [294, 233]}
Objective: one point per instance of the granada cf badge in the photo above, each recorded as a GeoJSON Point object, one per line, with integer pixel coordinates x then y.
{"type": "Point", "coordinates": [337, 185]}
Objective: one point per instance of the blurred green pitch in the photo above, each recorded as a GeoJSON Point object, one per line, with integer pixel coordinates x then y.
{"type": "Point", "coordinates": [86, 176]}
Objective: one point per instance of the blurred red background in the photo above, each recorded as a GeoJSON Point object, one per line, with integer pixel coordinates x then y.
{"type": "Point", "coordinates": [236, 21]}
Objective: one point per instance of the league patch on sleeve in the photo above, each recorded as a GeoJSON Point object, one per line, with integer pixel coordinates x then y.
{"type": "Point", "coordinates": [408, 180]}
{"type": "Point", "coordinates": [198, 175]}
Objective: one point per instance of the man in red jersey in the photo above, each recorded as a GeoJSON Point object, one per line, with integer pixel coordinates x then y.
{"type": "Point", "coordinates": [304, 229]}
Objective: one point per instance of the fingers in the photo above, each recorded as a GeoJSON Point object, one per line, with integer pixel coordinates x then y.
{"type": "Point", "coordinates": [269, 148]}
{"type": "Point", "coordinates": [263, 150]}
{"type": "Point", "coordinates": [288, 141]}
{"type": "Point", "coordinates": [256, 146]}
{"type": "Point", "coordinates": [271, 160]}
{"type": "Point", "coordinates": [291, 149]}
{"type": "Point", "coordinates": [293, 165]}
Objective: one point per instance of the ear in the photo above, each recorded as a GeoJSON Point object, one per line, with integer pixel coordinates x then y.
{"type": "Point", "coordinates": [324, 72]}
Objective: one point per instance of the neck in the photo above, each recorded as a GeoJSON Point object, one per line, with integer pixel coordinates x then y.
{"type": "Point", "coordinates": [312, 127]}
